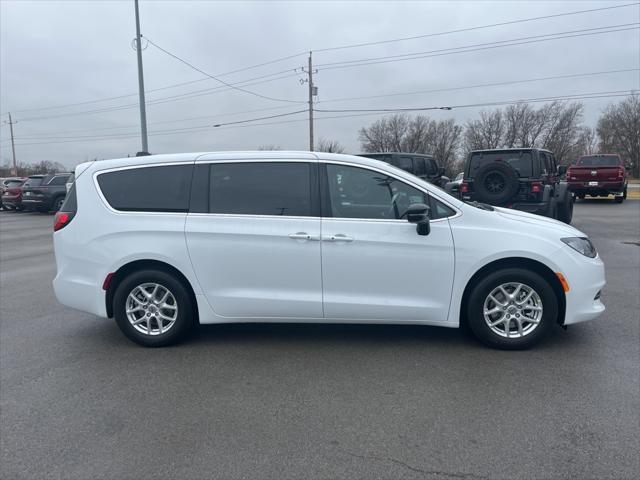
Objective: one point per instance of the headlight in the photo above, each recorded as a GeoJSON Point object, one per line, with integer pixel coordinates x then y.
{"type": "Point", "coordinates": [582, 245]}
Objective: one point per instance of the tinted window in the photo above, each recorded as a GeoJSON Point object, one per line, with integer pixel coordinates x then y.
{"type": "Point", "coordinates": [403, 163]}
{"type": "Point", "coordinates": [419, 167]}
{"type": "Point", "coordinates": [13, 183]}
{"type": "Point", "coordinates": [599, 161]}
{"type": "Point", "coordinates": [520, 161]}
{"type": "Point", "coordinates": [70, 202]}
{"type": "Point", "coordinates": [439, 210]}
{"type": "Point", "coordinates": [33, 182]}
{"type": "Point", "coordinates": [361, 193]}
{"type": "Point", "coordinates": [432, 168]}
{"type": "Point", "coordinates": [148, 189]}
{"type": "Point", "coordinates": [58, 180]}
{"type": "Point", "coordinates": [263, 188]}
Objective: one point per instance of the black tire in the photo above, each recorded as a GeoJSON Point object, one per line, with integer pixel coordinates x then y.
{"type": "Point", "coordinates": [184, 320]}
{"type": "Point", "coordinates": [565, 209]}
{"type": "Point", "coordinates": [57, 204]}
{"type": "Point", "coordinates": [552, 208]}
{"type": "Point", "coordinates": [496, 183]}
{"type": "Point", "coordinates": [482, 330]}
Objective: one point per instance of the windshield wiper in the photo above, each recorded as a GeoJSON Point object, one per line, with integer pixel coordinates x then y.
{"type": "Point", "coordinates": [481, 206]}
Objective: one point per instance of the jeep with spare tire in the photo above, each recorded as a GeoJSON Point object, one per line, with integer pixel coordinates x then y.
{"type": "Point", "coordinates": [527, 179]}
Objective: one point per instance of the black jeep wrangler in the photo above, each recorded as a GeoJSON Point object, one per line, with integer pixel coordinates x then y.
{"type": "Point", "coordinates": [527, 179]}
{"type": "Point", "coordinates": [419, 164]}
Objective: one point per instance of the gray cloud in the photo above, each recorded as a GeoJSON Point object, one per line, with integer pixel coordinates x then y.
{"type": "Point", "coordinates": [54, 53]}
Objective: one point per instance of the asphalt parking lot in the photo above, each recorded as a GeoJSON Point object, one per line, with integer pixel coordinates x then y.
{"type": "Point", "coordinates": [79, 401]}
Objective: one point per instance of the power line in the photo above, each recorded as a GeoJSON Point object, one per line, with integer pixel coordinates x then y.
{"type": "Point", "coordinates": [56, 135]}
{"type": "Point", "coordinates": [280, 59]}
{"type": "Point", "coordinates": [183, 96]}
{"type": "Point", "coordinates": [476, 47]}
{"type": "Point", "coordinates": [358, 113]}
{"type": "Point", "coordinates": [182, 60]}
{"type": "Point", "coordinates": [468, 29]}
{"type": "Point", "coordinates": [480, 85]}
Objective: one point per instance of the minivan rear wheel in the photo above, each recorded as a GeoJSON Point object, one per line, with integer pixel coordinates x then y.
{"type": "Point", "coordinates": [152, 308]}
{"type": "Point", "coordinates": [512, 309]}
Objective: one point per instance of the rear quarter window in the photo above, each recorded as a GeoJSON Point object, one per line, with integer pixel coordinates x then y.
{"type": "Point", "coordinates": [148, 189]}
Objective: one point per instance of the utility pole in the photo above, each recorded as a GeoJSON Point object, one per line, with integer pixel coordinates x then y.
{"type": "Point", "coordinates": [143, 110]}
{"type": "Point", "coordinates": [313, 91]}
{"type": "Point", "coordinates": [14, 169]}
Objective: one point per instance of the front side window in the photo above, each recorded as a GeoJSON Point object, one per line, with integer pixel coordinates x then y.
{"type": "Point", "coordinates": [261, 188]}
{"type": "Point", "coordinates": [360, 193]}
{"type": "Point", "coordinates": [148, 189]}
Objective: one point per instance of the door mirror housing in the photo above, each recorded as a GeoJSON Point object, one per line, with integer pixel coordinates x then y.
{"type": "Point", "coordinates": [562, 169]}
{"type": "Point", "coordinates": [418, 213]}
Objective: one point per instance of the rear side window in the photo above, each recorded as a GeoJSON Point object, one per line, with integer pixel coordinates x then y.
{"type": "Point", "coordinates": [33, 182]}
{"type": "Point", "coordinates": [58, 180]}
{"type": "Point", "coordinates": [148, 189]}
{"type": "Point", "coordinates": [403, 163]}
{"type": "Point", "coordinates": [261, 188]}
{"type": "Point", "coordinates": [71, 201]}
{"type": "Point", "coordinates": [419, 167]}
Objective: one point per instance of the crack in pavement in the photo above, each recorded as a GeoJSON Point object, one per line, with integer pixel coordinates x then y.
{"type": "Point", "coordinates": [415, 469]}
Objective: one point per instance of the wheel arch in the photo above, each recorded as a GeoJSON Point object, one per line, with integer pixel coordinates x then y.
{"type": "Point", "coordinates": [516, 262]}
{"type": "Point", "coordinates": [137, 265]}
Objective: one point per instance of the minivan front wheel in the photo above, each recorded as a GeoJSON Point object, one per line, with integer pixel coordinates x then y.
{"type": "Point", "coordinates": [152, 308]}
{"type": "Point", "coordinates": [512, 309]}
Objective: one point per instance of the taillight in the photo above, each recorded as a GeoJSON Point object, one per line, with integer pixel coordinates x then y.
{"type": "Point", "coordinates": [536, 187]}
{"type": "Point", "coordinates": [61, 220]}
{"type": "Point", "coordinates": [620, 172]}
{"type": "Point", "coordinates": [464, 187]}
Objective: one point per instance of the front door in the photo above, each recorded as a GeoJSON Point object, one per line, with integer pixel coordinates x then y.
{"type": "Point", "coordinates": [256, 248]}
{"type": "Point", "coordinates": [374, 264]}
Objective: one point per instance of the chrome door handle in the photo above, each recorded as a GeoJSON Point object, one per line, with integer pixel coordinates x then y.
{"type": "Point", "coordinates": [338, 237]}
{"type": "Point", "coordinates": [302, 236]}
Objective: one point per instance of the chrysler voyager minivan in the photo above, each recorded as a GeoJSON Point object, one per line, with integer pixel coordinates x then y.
{"type": "Point", "coordinates": [163, 242]}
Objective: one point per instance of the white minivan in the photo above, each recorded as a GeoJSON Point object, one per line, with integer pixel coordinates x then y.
{"type": "Point", "coordinates": [164, 242]}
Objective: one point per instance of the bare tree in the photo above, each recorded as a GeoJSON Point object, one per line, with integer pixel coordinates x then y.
{"type": "Point", "coordinates": [420, 134]}
{"type": "Point", "coordinates": [619, 131]}
{"type": "Point", "coordinates": [329, 146]}
{"type": "Point", "coordinates": [486, 132]}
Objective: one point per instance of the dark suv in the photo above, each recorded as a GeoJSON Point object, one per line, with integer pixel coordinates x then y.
{"type": "Point", "coordinates": [45, 192]}
{"type": "Point", "coordinates": [527, 179]}
{"type": "Point", "coordinates": [421, 165]}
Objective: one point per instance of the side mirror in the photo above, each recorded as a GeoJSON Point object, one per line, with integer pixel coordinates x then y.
{"type": "Point", "coordinates": [418, 213]}
{"type": "Point", "coordinates": [562, 169]}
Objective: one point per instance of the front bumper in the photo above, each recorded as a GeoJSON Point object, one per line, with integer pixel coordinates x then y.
{"type": "Point", "coordinates": [586, 279]}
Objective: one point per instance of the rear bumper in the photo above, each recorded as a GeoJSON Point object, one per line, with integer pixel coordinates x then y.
{"type": "Point", "coordinates": [583, 188]}
{"type": "Point", "coordinates": [12, 201]}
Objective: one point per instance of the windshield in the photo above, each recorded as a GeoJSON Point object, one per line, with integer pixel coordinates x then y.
{"type": "Point", "coordinates": [520, 161]}
{"type": "Point", "coordinates": [33, 182]}
{"type": "Point", "coordinates": [599, 161]}
{"type": "Point", "coordinates": [13, 183]}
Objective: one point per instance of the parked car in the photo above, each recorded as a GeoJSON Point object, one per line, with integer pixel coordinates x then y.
{"type": "Point", "coordinates": [421, 165]}
{"type": "Point", "coordinates": [453, 187]}
{"type": "Point", "coordinates": [11, 193]}
{"type": "Point", "coordinates": [45, 192]}
{"type": "Point", "coordinates": [599, 175]}
{"type": "Point", "coordinates": [310, 237]}
{"type": "Point", "coordinates": [527, 179]}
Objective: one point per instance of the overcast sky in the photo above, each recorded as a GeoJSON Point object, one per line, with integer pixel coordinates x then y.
{"type": "Point", "coordinates": [55, 53]}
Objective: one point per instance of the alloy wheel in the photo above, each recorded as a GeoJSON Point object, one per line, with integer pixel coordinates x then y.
{"type": "Point", "coordinates": [513, 310]}
{"type": "Point", "coordinates": [151, 309]}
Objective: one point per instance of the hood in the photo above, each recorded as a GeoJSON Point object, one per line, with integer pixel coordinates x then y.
{"type": "Point", "coordinates": [538, 220]}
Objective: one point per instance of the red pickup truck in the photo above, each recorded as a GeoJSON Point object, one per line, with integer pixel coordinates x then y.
{"type": "Point", "coordinates": [598, 176]}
